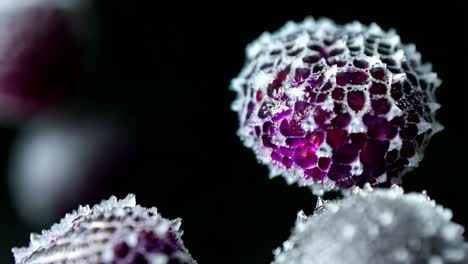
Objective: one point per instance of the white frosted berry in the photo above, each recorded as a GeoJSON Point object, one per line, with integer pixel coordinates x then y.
{"type": "Point", "coordinates": [335, 106]}
{"type": "Point", "coordinates": [114, 231]}
{"type": "Point", "coordinates": [379, 227]}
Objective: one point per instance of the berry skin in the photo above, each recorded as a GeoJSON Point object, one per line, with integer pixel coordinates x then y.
{"type": "Point", "coordinates": [114, 231]}
{"type": "Point", "coordinates": [383, 226]}
{"type": "Point", "coordinates": [335, 106]}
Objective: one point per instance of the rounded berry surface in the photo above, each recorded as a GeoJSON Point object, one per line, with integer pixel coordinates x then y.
{"type": "Point", "coordinates": [381, 226]}
{"type": "Point", "coordinates": [336, 106]}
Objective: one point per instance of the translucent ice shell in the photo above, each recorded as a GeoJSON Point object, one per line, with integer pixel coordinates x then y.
{"type": "Point", "coordinates": [115, 231]}
{"type": "Point", "coordinates": [335, 106]}
{"type": "Point", "coordinates": [380, 227]}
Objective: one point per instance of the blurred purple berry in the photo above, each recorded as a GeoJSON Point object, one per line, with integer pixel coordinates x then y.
{"type": "Point", "coordinates": [42, 52]}
{"type": "Point", "coordinates": [333, 106]}
{"type": "Point", "coordinates": [115, 231]}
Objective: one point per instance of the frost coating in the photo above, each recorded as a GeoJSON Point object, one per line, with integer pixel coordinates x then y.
{"type": "Point", "coordinates": [332, 106]}
{"type": "Point", "coordinates": [379, 227]}
{"type": "Point", "coordinates": [114, 231]}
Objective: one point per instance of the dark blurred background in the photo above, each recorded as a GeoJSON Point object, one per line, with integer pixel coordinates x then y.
{"type": "Point", "coordinates": [164, 71]}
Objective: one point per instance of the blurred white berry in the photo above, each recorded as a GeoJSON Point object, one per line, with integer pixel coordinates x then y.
{"type": "Point", "coordinates": [68, 157]}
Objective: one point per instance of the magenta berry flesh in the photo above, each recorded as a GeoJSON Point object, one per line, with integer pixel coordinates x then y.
{"type": "Point", "coordinates": [336, 106]}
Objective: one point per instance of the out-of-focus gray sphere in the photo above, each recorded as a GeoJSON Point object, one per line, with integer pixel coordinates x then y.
{"type": "Point", "coordinates": [379, 227]}
{"type": "Point", "coordinates": [62, 159]}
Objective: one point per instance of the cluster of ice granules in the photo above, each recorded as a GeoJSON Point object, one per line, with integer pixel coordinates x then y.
{"type": "Point", "coordinates": [380, 227]}
{"type": "Point", "coordinates": [115, 231]}
{"type": "Point", "coordinates": [328, 105]}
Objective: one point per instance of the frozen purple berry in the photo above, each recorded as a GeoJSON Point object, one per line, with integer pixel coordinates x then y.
{"type": "Point", "coordinates": [380, 227]}
{"type": "Point", "coordinates": [351, 94]}
{"type": "Point", "coordinates": [115, 231]}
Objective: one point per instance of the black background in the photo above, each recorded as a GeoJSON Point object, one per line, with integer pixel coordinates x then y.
{"type": "Point", "coordinates": [167, 69]}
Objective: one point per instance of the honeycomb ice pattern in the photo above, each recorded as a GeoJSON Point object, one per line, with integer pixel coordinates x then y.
{"type": "Point", "coordinates": [384, 226]}
{"type": "Point", "coordinates": [335, 107]}
{"type": "Point", "coordinates": [113, 232]}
